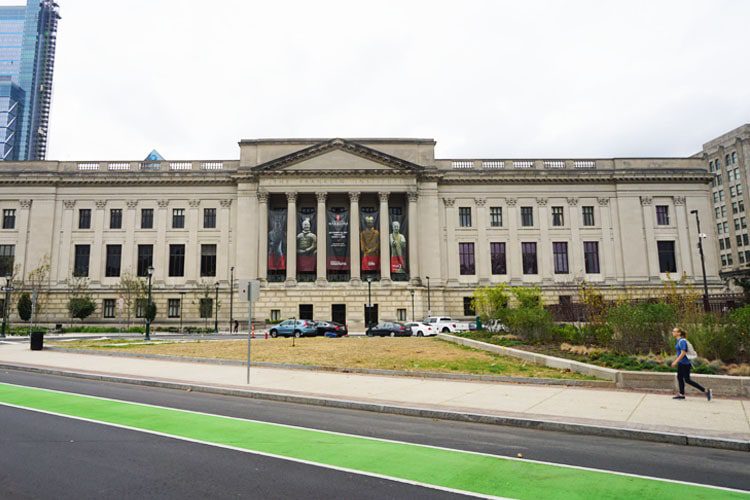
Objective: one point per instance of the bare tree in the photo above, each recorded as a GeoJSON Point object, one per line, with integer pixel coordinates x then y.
{"type": "Point", "coordinates": [131, 289]}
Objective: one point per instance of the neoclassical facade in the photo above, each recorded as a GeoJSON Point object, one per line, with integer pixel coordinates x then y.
{"type": "Point", "coordinates": [330, 225]}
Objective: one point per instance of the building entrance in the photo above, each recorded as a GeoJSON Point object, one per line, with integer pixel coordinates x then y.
{"type": "Point", "coordinates": [305, 311]}
{"type": "Point", "coordinates": [338, 313]}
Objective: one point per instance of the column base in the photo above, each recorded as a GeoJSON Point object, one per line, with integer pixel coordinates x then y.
{"type": "Point", "coordinates": [385, 281]}
{"type": "Point", "coordinates": [290, 282]}
{"type": "Point", "coordinates": [355, 281]}
{"type": "Point", "coordinates": [321, 282]}
{"type": "Point", "coordinates": [415, 282]}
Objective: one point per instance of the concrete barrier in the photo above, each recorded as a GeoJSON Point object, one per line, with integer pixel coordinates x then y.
{"type": "Point", "coordinates": [721, 385]}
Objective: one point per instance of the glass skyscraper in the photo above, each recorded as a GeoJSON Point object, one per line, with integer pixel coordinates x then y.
{"type": "Point", "coordinates": [27, 58]}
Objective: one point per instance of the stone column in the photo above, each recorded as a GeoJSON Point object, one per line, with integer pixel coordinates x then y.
{"type": "Point", "coordinates": [98, 250]}
{"type": "Point", "coordinates": [262, 237]}
{"type": "Point", "coordinates": [483, 248]}
{"type": "Point", "coordinates": [607, 252]}
{"type": "Point", "coordinates": [355, 276]}
{"type": "Point", "coordinates": [513, 249]}
{"type": "Point", "coordinates": [451, 243]}
{"type": "Point", "coordinates": [575, 263]}
{"type": "Point", "coordinates": [385, 246]}
{"type": "Point", "coordinates": [64, 265]}
{"type": "Point", "coordinates": [411, 245]}
{"type": "Point", "coordinates": [246, 233]}
{"type": "Point", "coordinates": [193, 248]}
{"type": "Point", "coordinates": [161, 250]}
{"type": "Point", "coordinates": [129, 251]}
{"type": "Point", "coordinates": [544, 255]}
{"type": "Point", "coordinates": [23, 219]}
{"type": "Point", "coordinates": [291, 239]}
{"type": "Point", "coordinates": [652, 253]}
{"type": "Point", "coordinates": [320, 265]}
{"type": "Point", "coordinates": [224, 254]}
{"type": "Point", "coordinates": [685, 254]}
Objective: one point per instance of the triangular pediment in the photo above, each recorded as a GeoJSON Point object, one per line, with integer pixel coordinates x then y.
{"type": "Point", "coordinates": [338, 155]}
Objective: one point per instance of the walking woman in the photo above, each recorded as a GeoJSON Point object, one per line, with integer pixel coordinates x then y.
{"type": "Point", "coordinates": [683, 364]}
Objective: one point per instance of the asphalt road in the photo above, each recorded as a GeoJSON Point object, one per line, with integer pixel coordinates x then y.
{"type": "Point", "coordinates": [85, 460]}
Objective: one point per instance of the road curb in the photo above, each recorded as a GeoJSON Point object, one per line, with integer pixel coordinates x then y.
{"type": "Point", "coordinates": [602, 384]}
{"type": "Point", "coordinates": [528, 423]}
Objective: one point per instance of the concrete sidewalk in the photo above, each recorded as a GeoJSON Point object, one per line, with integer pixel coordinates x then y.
{"type": "Point", "coordinates": [636, 411]}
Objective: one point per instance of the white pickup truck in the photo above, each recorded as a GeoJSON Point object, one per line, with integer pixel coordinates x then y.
{"type": "Point", "coordinates": [444, 324]}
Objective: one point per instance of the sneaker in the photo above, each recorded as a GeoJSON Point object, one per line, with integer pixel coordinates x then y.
{"type": "Point", "coordinates": [709, 394]}
{"type": "Point", "coordinates": [679, 396]}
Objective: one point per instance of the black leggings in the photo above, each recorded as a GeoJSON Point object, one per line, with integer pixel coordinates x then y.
{"type": "Point", "coordinates": [683, 375]}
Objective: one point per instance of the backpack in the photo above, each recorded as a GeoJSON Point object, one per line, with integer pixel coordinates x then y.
{"type": "Point", "coordinates": [691, 354]}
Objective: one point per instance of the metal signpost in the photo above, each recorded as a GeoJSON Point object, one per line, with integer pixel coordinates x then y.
{"type": "Point", "coordinates": [250, 290]}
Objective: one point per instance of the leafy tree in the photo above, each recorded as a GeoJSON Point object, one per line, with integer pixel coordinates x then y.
{"type": "Point", "coordinates": [491, 302]}
{"type": "Point", "coordinates": [24, 306]}
{"type": "Point", "coordinates": [80, 305]}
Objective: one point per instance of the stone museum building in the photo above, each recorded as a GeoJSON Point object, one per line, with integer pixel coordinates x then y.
{"type": "Point", "coordinates": [331, 225]}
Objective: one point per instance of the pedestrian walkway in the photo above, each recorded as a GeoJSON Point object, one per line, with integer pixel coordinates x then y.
{"type": "Point", "coordinates": [721, 418]}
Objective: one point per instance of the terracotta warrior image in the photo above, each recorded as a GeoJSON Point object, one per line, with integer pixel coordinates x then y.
{"type": "Point", "coordinates": [307, 242]}
{"type": "Point", "coordinates": [369, 242]}
{"type": "Point", "coordinates": [398, 249]}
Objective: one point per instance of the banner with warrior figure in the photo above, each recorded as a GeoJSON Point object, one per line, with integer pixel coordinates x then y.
{"type": "Point", "coordinates": [369, 239]}
{"type": "Point", "coordinates": [277, 239]}
{"type": "Point", "coordinates": [397, 239]}
{"type": "Point", "coordinates": [307, 240]}
{"type": "Point", "coordinates": [337, 251]}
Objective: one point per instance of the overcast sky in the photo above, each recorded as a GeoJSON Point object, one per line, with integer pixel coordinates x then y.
{"type": "Point", "coordinates": [500, 79]}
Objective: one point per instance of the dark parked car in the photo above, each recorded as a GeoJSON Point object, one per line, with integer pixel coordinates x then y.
{"type": "Point", "coordinates": [386, 329]}
{"type": "Point", "coordinates": [324, 327]}
{"type": "Point", "coordinates": [294, 327]}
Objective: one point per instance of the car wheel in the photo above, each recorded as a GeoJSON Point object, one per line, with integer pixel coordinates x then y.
{"type": "Point", "coordinates": [274, 334]}
{"type": "Point", "coordinates": [420, 334]}
{"type": "Point", "coordinates": [369, 334]}
{"type": "Point", "coordinates": [297, 333]}
{"type": "Point", "coordinates": [393, 334]}
{"type": "Point", "coordinates": [446, 330]}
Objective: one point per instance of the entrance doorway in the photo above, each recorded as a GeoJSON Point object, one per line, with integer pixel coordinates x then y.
{"type": "Point", "coordinates": [371, 315]}
{"type": "Point", "coordinates": [305, 311]}
{"type": "Point", "coordinates": [338, 313]}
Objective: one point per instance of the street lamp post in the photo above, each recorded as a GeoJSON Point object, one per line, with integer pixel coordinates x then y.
{"type": "Point", "coordinates": [706, 305]}
{"type": "Point", "coordinates": [429, 303]}
{"type": "Point", "coordinates": [182, 304]}
{"type": "Point", "coordinates": [7, 290]}
{"type": "Point", "coordinates": [369, 303]}
{"type": "Point", "coordinates": [148, 304]}
{"type": "Point", "coordinates": [216, 309]}
{"type": "Point", "coordinates": [231, 298]}
{"type": "Point", "coordinates": [412, 304]}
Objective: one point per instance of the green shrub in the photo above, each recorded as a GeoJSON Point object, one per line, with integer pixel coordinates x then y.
{"type": "Point", "coordinates": [568, 333]}
{"type": "Point", "coordinates": [739, 329]}
{"type": "Point", "coordinates": [641, 328]}
{"type": "Point", "coordinates": [24, 306]}
{"type": "Point", "coordinates": [533, 324]}
{"type": "Point", "coordinates": [81, 307]}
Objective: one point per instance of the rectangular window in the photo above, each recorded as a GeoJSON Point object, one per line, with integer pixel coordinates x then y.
{"type": "Point", "coordinates": [140, 308]}
{"type": "Point", "coordinates": [591, 257]}
{"type": "Point", "coordinates": [112, 267]}
{"type": "Point", "coordinates": [115, 218]}
{"type": "Point", "coordinates": [84, 218]}
{"type": "Point", "coordinates": [178, 218]}
{"type": "Point", "coordinates": [108, 308]}
{"type": "Point", "coordinates": [528, 253]}
{"type": "Point", "coordinates": [147, 218]}
{"type": "Point", "coordinates": [560, 254]}
{"type": "Point", "coordinates": [206, 307]}
{"type": "Point", "coordinates": [497, 257]}
{"type": "Point", "coordinates": [173, 308]}
{"type": "Point", "coordinates": [176, 260]}
{"type": "Point", "coordinates": [208, 260]}
{"type": "Point", "coordinates": [662, 215]}
{"type": "Point", "coordinates": [275, 315]}
{"type": "Point", "coordinates": [527, 216]}
{"type": "Point", "coordinates": [588, 216]}
{"type": "Point", "coordinates": [401, 314]}
{"type": "Point", "coordinates": [558, 217]}
{"type": "Point", "coordinates": [9, 218]}
{"type": "Point", "coordinates": [7, 259]}
{"type": "Point", "coordinates": [466, 258]}
{"type": "Point", "coordinates": [145, 259]}
{"type": "Point", "coordinates": [81, 261]}
{"type": "Point", "coordinates": [469, 307]}
{"type": "Point", "coordinates": [464, 216]}
{"type": "Point", "coordinates": [209, 218]}
{"type": "Point", "coordinates": [496, 216]}
{"type": "Point", "coordinates": [667, 260]}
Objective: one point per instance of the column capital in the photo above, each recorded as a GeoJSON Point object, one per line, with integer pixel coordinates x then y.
{"type": "Point", "coordinates": [449, 202]}
{"type": "Point", "coordinates": [480, 202]}
{"type": "Point", "coordinates": [131, 204]}
{"type": "Point", "coordinates": [25, 203]}
{"type": "Point", "coordinates": [413, 196]}
{"type": "Point", "coordinates": [163, 203]}
{"type": "Point", "coordinates": [646, 200]}
{"type": "Point", "coordinates": [262, 196]}
{"type": "Point", "coordinates": [194, 203]}
{"type": "Point", "coordinates": [383, 195]}
{"type": "Point", "coordinates": [291, 197]}
{"type": "Point", "coordinates": [226, 203]}
{"type": "Point", "coordinates": [542, 202]}
{"type": "Point", "coordinates": [69, 204]}
{"type": "Point", "coordinates": [321, 196]}
{"type": "Point", "coordinates": [679, 200]}
{"type": "Point", "coordinates": [603, 202]}
{"type": "Point", "coordinates": [572, 201]}
{"type": "Point", "coordinates": [511, 202]}
{"type": "Point", "coordinates": [354, 196]}
{"type": "Point", "coordinates": [100, 203]}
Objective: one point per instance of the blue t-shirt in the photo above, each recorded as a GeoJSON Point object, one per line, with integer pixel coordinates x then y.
{"type": "Point", "coordinates": [680, 346]}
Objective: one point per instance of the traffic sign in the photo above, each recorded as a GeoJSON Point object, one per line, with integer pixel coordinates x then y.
{"type": "Point", "coordinates": [250, 289]}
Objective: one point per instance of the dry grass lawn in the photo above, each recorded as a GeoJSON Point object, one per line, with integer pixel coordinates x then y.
{"type": "Point", "coordinates": [414, 354]}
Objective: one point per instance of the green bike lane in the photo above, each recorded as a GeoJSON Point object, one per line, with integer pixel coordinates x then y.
{"type": "Point", "coordinates": [455, 470]}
